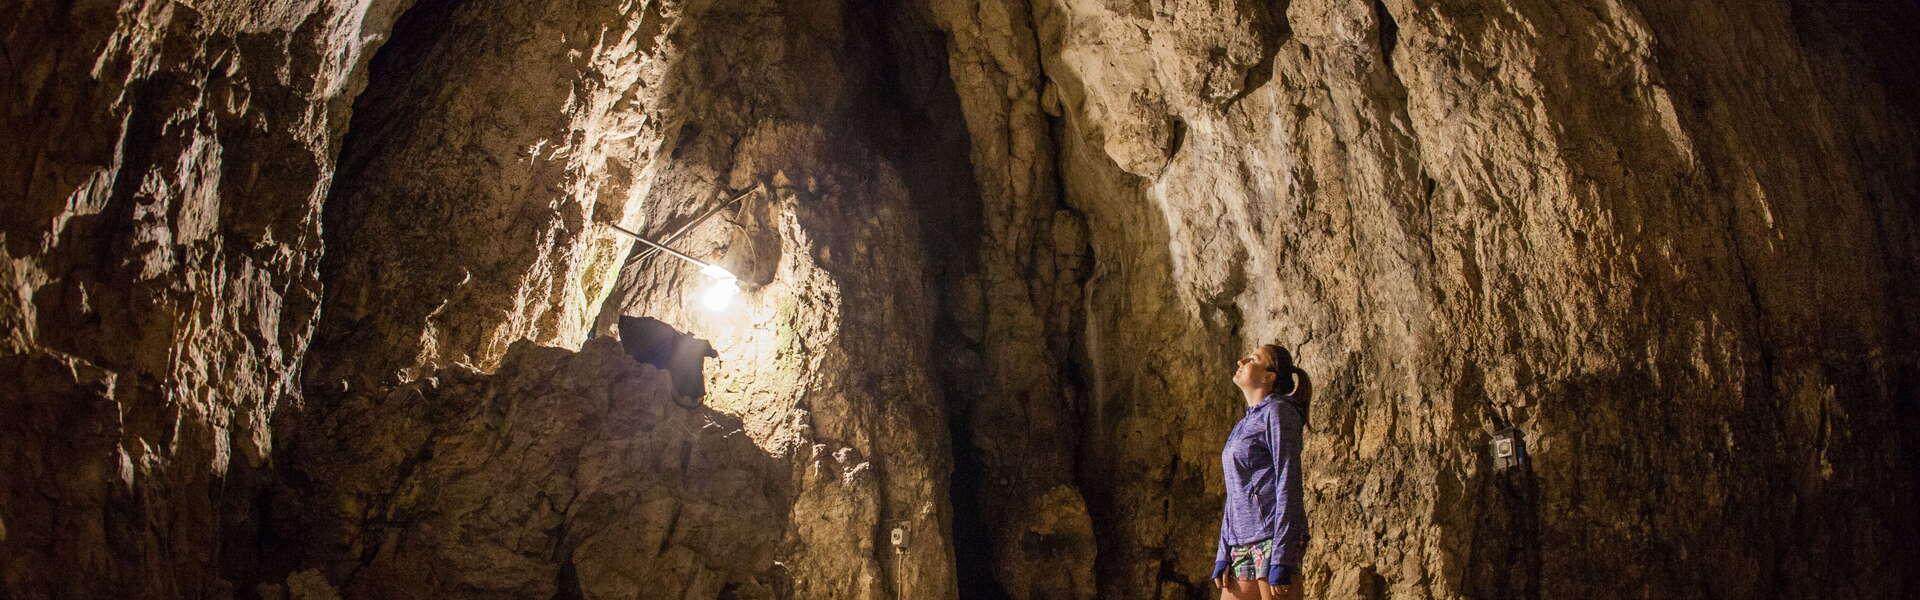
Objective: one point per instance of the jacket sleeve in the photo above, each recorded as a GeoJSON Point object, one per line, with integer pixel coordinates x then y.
{"type": "Point", "coordinates": [1220, 544]}
{"type": "Point", "coordinates": [1290, 515]}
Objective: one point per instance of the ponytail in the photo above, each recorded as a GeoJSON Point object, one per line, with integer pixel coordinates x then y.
{"type": "Point", "coordinates": [1302, 395]}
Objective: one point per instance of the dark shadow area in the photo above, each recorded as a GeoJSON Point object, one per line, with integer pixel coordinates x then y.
{"type": "Point", "coordinates": [1389, 33]}
{"type": "Point", "coordinates": [1506, 539]}
{"type": "Point", "coordinates": [1878, 34]}
{"type": "Point", "coordinates": [653, 342]}
{"type": "Point", "coordinates": [382, 114]}
{"type": "Point", "coordinates": [910, 114]}
{"type": "Point", "coordinates": [569, 471]}
{"type": "Point", "coordinates": [417, 34]}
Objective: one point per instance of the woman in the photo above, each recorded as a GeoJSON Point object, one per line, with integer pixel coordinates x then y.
{"type": "Point", "coordinates": [1263, 531]}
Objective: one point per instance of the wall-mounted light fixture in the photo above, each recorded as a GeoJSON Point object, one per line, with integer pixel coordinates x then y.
{"type": "Point", "coordinates": [898, 536]}
{"type": "Point", "coordinates": [719, 294]}
{"type": "Point", "coordinates": [724, 286]}
{"type": "Point", "coordinates": [1509, 450]}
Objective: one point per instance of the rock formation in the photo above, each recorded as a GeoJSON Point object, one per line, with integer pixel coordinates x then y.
{"type": "Point", "coordinates": [166, 166]}
{"type": "Point", "coordinates": [314, 299]}
{"type": "Point", "coordinates": [559, 475]}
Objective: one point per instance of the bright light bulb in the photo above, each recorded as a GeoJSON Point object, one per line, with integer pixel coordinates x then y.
{"type": "Point", "coordinates": [719, 295]}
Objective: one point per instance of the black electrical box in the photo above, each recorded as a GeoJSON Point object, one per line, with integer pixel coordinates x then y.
{"type": "Point", "coordinates": [1509, 450]}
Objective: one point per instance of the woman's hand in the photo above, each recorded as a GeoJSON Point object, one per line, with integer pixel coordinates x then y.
{"type": "Point", "coordinates": [1279, 575]}
{"type": "Point", "coordinates": [1278, 583]}
{"type": "Point", "coordinates": [1220, 574]}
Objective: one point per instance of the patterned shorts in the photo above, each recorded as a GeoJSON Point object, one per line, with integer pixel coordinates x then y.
{"type": "Point", "coordinates": [1249, 561]}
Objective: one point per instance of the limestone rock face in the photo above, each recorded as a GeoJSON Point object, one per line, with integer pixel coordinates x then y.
{"type": "Point", "coordinates": [296, 311]}
{"type": "Point", "coordinates": [476, 213]}
{"type": "Point", "coordinates": [166, 163]}
{"type": "Point", "coordinates": [561, 474]}
{"type": "Point", "coordinates": [1642, 233]}
{"type": "Point", "coordinates": [465, 215]}
{"type": "Point", "coordinates": [826, 356]}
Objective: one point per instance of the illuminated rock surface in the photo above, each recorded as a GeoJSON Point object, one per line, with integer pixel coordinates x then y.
{"type": "Point", "coordinates": [299, 296]}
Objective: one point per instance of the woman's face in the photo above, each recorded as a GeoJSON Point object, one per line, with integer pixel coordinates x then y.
{"type": "Point", "coordinates": [1254, 369]}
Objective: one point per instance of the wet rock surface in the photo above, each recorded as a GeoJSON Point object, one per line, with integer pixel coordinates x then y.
{"type": "Point", "coordinates": [296, 311]}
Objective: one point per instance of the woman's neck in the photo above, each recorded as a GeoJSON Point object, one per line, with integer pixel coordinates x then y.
{"type": "Point", "coordinates": [1255, 395]}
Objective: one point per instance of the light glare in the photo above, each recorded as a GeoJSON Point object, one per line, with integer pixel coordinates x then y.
{"type": "Point", "coordinates": [716, 272]}
{"type": "Point", "coordinates": [719, 295]}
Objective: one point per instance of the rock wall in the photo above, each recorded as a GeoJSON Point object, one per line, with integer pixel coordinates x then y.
{"type": "Point", "coordinates": [493, 141]}
{"type": "Point", "coordinates": [165, 169]}
{"type": "Point", "coordinates": [270, 336]}
{"type": "Point", "coordinates": [1650, 236]}
{"type": "Point", "coordinates": [826, 355]}
{"type": "Point", "coordinates": [467, 217]}
{"type": "Point", "coordinates": [559, 475]}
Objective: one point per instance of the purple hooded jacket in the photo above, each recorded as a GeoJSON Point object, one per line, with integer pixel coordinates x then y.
{"type": "Point", "coordinates": [1264, 496]}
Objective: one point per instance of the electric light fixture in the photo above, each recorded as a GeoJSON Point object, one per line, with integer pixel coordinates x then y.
{"type": "Point", "coordinates": [717, 295]}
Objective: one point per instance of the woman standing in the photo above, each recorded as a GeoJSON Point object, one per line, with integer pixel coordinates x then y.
{"type": "Point", "coordinates": [1263, 531]}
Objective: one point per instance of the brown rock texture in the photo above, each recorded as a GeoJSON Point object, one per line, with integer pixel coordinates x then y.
{"type": "Point", "coordinates": [493, 137]}
{"type": "Point", "coordinates": [296, 311]}
{"type": "Point", "coordinates": [561, 474]}
{"type": "Point", "coordinates": [165, 167]}
{"type": "Point", "coordinates": [1649, 236]}
{"type": "Point", "coordinates": [445, 257]}
{"type": "Point", "coordinates": [827, 356]}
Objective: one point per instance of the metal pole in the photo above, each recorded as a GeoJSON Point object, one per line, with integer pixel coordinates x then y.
{"type": "Point", "coordinates": [662, 247]}
{"type": "Point", "coordinates": [696, 221]}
